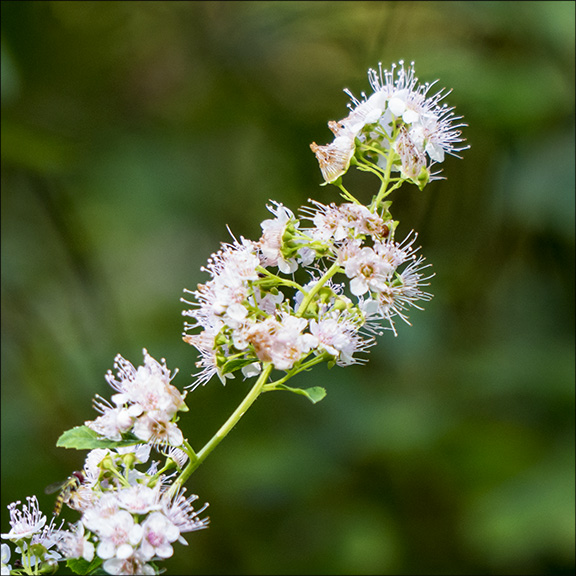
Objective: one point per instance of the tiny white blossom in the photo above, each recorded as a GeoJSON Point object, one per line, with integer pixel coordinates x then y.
{"type": "Point", "coordinates": [155, 427]}
{"type": "Point", "coordinates": [139, 499]}
{"type": "Point", "coordinates": [180, 511]}
{"type": "Point", "coordinates": [76, 544]}
{"type": "Point", "coordinates": [26, 522]}
{"type": "Point", "coordinates": [337, 334]}
{"type": "Point", "coordinates": [157, 537]}
{"type": "Point", "coordinates": [280, 341]}
{"type": "Point", "coordinates": [119, 535]}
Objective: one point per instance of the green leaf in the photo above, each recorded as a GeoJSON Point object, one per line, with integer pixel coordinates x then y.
{"type": "Point", "coordinates": [314, 394]}
{"type": "Point", "coordinates": [81, 566]}
{"type": "Point", "coordinates": [84, 438]}
{"type": "Point", "coordinates": [236, 364]}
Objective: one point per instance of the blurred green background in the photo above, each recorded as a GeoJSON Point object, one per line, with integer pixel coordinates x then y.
{"type": "Point", "coordinates": [134, 132]}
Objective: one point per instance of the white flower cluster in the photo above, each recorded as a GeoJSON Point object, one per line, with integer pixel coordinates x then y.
{"type": "Point", "coordinates": [398, 125]}
{"type": "Point", "coordinates": [314, 288]}
{"type": "Point", "coordinates": [249, 315]}
{"type": "Point", "coordinates": [129, 518]}
{"type": "Point", "coordinates": [146, 404]}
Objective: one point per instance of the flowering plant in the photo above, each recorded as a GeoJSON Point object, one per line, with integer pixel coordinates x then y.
{"type": "Point", "coordinates": [318, 287]}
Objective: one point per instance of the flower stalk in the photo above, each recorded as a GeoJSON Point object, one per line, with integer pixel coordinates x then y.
{"type": "Point", "coordinates": [318, 286]}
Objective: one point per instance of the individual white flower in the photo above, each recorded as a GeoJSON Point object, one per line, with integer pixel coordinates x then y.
{"type": "Point", "coordinates": [180, 511]}
{"type": "Point", "coordinates": [157, 537]}
{"type": "Point", "coordinates": [39, 548]}
{"type": "Point", "coordinates": [147, 386]}
{"type": "Point", "coordinates": [206, 346]}
{"type": "Point", "coordinates": [119, 535]}
{"type": "Point", "coordinates": [114, 421]}
{"type": "Point", "coordinates": [431, 124]}
{"type": "Point", "coordinates": [280, 341]}
{"type": "Point", "coordinates": [268, 302]}
{"type": "Point", "coordinates": [155, 427]}
{"type": "Point", "coordinates": [76, 544]}
{"type": "Point", "coordinates": [100, 512]}
{"type": "Point", "coordinates": [396, 253]}
{"type": "Point", "coordinates": [367, 271]}
{"type": "Point", "coordinates": [26, 522]}
{"type": "Point", "coordinates": [337, 334]}
{"type": "Point", "coordinates": [139, 499]}
{"type": "Point", "coordinates": [404, 291]}
{"type": "Point", "coordinates": [235, 262]}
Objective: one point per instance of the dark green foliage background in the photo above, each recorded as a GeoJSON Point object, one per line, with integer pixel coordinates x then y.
{"type": "Point", "coordinates": [134, 132]}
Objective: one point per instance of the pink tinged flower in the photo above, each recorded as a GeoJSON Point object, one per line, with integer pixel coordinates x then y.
{"type": "Point", "coordinates": [328, 223]}
{"type": "Point", "coordinates": [235, 262]}
{"type": "Point", "coordinates": [37, 547]}
{"type": "Point", "coordinates": [158, 534]}
{"type": "Point", "coordinates": [119, 536]}
{"type": "Point", "coordinates": [404, 291]}
{"type": "Point", "coordinates": [148, 386]}
{"type": "Point", "coordinates": [26, 522]}
{"type": "Point", "coordinates": [367, 271]}
{"type": "Point", "coordinates": [269, 302]}
{"type": "Point", "coordinates": [346, 221]}
{"type": "Point", "coordinates": [205, 344]}
{"type": "Point", "coordinates": [280, 341]}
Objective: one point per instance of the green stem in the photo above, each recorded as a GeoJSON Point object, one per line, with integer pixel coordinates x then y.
{"type": "Point", "coordinates": [280, 280]}
{"type": "Point", "coordinates": [308, 298]}
{"type": "Point", "coordinates": [382, 193]}
{"type": "Point", "coordinates": [347, 194]}
{"type": "Point", "coordinates": [227, 426]}
{"type": "Point", "coordinates": [273, 385]}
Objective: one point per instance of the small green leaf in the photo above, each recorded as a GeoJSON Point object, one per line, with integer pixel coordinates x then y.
{"type": "Point", "coordinates": [84, 438]}
{"type": "Point", "coordinates": [236, 364]}
{"type": "Point", "coordinates": [314, 394]}
{"type": "Point", "coordinates": [81, 566]}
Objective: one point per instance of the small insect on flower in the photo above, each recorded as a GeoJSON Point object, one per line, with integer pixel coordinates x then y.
{"type": "Point", "coordinates": [67, 489]}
